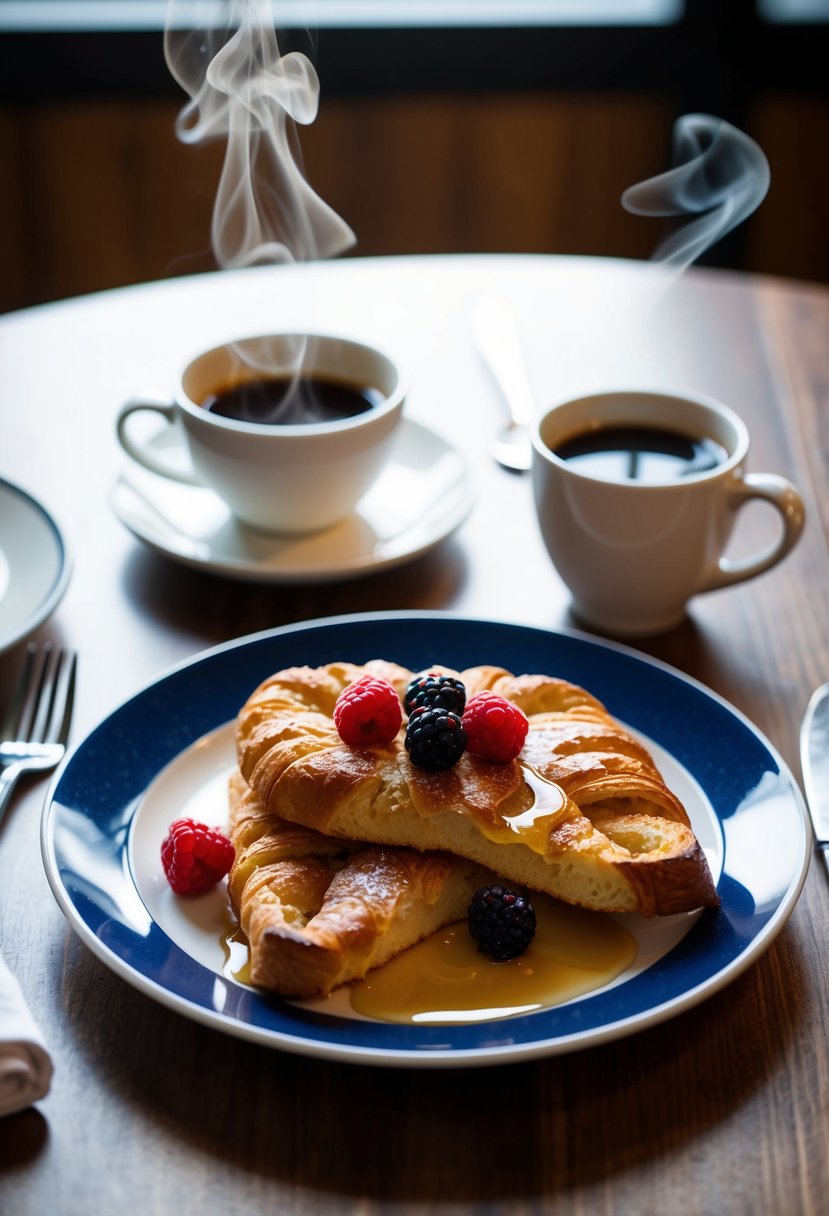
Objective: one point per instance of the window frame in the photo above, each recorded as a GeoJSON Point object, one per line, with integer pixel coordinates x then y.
{"type": "Point", "coordinates": [698, 62]}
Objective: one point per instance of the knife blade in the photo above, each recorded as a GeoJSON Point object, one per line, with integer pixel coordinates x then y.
{"type": "Point", "coordinates": [814, 758]}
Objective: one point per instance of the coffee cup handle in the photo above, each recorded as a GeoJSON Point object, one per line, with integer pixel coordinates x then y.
{"type": "Point", "coordinates": [142, 452]}
{"type": "Point", "coordinates": [782, 495]}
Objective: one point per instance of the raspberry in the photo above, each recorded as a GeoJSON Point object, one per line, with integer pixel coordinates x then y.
{"type": "Point", "coordinates": [435, 738]}
{"type": "Point", "coordinates": [368, 712]}
{"type": "Point", "coordinates": [501, 922]}
{"type": "Point", "coordinates": [495, 728]}
{"type": "Point", "coordinates": [195, 857]}
{"type": "Point", "coordinates": [432, 690]}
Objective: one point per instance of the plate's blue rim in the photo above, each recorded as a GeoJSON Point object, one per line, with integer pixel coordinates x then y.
{"type": "Point", "coordinates": [719, 947]}
{"type": "Point", "coordinates": [60, 579]}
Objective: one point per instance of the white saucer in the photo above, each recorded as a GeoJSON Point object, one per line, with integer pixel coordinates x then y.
{"type": "Point", "coordinates": [34, 567]}
{"type": "Point", "coordinates": [424, 493]}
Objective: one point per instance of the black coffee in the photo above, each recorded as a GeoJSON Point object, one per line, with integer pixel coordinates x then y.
{"type": "Point", "coordinates": [652, 455]}
{"type": "Point", "coordinates": [287, 400]}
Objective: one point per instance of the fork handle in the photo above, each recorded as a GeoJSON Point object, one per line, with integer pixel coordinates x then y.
{"type": "Point", "coordinates": [8, 780]}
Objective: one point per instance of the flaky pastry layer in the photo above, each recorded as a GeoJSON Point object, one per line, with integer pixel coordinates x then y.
{"type": "Point", "coordinates": [319, 912]}
{"type": "Point", "coordinates": [601, 828]}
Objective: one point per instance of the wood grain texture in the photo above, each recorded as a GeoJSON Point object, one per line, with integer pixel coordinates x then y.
{"type": "Point", "coordinates": [722, 1109]}
{"type": "Point", "coordinates": [102, 194]}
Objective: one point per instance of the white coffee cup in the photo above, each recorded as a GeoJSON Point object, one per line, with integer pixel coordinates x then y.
{"type": "Point", "coordinates": [633, 553]}
{"type": "Point", "coordinates": [292, 478]}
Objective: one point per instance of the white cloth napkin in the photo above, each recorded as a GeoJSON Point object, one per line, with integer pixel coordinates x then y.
{"type": "Point", "coordinates": [25, 1063]}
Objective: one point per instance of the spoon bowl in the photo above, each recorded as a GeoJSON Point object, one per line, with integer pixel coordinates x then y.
{"type": "Point", "coordinates": [511, 448]}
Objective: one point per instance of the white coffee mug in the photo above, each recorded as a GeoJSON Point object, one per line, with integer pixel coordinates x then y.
{"type": "Point", "coordinates": [633, 553]}
{"type": "Point", "coordinates": [292, 478]}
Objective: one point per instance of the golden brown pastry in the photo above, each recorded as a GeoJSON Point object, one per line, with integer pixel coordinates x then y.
{"type": "Point", "coordinates": [319, 912]}
{"type": "Point", "coordinates": [583, 814]}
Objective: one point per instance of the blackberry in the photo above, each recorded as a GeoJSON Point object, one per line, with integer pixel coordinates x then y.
{"type": "Point", "coordinates": [435, 738]}
{"type": "Point", "coordinates": [501, 922]}
{"type": "Point", "coordinates": [432, 690]}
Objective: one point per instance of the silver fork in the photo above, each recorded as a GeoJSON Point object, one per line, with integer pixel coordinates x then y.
{"type": "Point", "coordinates": [34, 735]}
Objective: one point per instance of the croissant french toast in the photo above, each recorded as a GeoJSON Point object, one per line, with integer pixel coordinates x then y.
{"type": "Point", "coordinates": [319, 912]}
{"type": "Point", "coordinates": [583, 813]}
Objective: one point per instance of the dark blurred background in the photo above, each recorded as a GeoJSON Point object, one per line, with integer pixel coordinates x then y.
{"type": "Point", "coordinates": [457, 128]}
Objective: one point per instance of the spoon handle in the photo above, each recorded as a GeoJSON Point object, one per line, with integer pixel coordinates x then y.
{"type": "Point", "coordinates": [496, 336]}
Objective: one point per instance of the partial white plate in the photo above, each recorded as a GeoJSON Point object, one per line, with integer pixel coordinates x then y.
{"type": "Point", "coordinates": [424, 493]}
{"type": "Point", "coordinates": [166, 752]}
{"type": "Point", "coordinates": [34, 565]}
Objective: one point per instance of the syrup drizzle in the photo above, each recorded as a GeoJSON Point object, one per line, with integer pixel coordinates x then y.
{"type": "Point", "coordinates": [237, 955]}
{"type": "Point", "coordinates": [533, 825]}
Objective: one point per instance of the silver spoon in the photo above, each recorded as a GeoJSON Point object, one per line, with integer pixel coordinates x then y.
{"type": "Point", "coordinates": [496, 337]}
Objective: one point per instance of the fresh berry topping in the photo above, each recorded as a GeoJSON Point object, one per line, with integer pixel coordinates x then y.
{"type": "Point", "coordinates": [501, 922]}
{"type": "Point", "coordinates": [435, 738]}
{"type": "Point", "coordinates": [368, 712]}
{"type": "Point", "coordinates": [195, 857]}
{"type": "Point", "coordinates": [435, 691]}
{"type": "Point", "coordinates": [495, 728]}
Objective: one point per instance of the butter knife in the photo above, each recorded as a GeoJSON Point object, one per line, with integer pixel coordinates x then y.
{"type": "Point", "coordinates": [814, 758]}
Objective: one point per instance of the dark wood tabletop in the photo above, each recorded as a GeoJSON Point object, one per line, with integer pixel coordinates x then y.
{"type": "Point", "coordinates": [721, 1109]}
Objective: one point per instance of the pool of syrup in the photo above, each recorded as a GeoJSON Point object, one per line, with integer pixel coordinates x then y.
{"type": "Point", "coordinates": [445, 980]}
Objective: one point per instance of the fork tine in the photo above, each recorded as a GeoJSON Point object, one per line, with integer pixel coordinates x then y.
{"type": "Point", "coordinates": [61, 734]}
{"type": "Point", "coordinates": [13, 721]}
{"type": "Point", "coordinates": [44, 699]}
{"type": "Point", "coordinates": [41, 706]}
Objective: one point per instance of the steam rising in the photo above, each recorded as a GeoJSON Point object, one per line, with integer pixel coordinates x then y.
{"type": "Point", "coordinates": [244, 90]}
{"type": "Point", "coordinates": [720, 177]}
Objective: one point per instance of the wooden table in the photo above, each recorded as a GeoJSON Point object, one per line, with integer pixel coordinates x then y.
{"type": "Point", "coordinates": [723, 1109]}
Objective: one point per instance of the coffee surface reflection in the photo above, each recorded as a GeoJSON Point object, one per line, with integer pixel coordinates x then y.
{"type": "Point", "coordinates": [652, 455]}
{"type": "Point", "coordinates": [292, 400]}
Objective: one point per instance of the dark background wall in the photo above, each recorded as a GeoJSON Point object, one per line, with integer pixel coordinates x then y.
{"type": "Point", "coordinates": [426, 141]}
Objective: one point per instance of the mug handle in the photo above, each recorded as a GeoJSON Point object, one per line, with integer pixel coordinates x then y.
{"type": "Point", "coordinates": [144, 454]}
{"type": "Point", "coordinates": [782, 495]}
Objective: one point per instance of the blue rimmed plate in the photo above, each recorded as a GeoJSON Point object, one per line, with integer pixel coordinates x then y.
{"type": "Point", "coordinates": [166, 752]}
